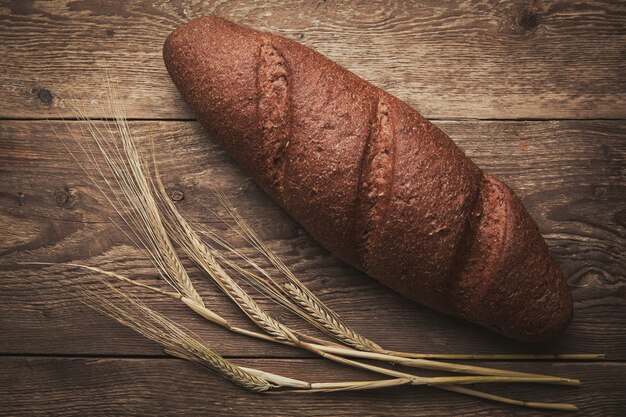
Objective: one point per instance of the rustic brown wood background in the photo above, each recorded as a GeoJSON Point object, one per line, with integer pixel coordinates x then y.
{"type": "Point", "coordinates": [534, 91]}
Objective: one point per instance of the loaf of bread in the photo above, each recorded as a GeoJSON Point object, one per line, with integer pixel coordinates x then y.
{"type": "Point", "coordinates": [370, 179]}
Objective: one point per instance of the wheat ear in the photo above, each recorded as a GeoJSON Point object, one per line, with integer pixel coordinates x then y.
{"type": "Point", "coordinates": [185, 237]}
{"type": "Point", "coordinates": [325, 318]}
{"type": "Point", "coordinates": [178, 341]}
{"type": "Point", "coordinates": [126, 165]}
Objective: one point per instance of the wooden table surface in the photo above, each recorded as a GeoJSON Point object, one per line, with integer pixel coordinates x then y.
{"type": "Point", "coordinates": [533, 91]}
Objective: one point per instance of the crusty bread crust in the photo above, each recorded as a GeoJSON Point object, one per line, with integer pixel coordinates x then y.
{"type": "Point", "coordinates": [370, 179]}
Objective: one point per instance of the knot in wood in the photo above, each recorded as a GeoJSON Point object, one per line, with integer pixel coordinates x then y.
{"type": "Point", "coordinates": [527, 19]}
{"type": "Point", "coordinates": [64, 198]}
{"type": "Point", "coordinates": [619, 218]}
{"type": "Point", "coordinates": [43, 94]}
{"type": "Point", "coordinates": [177, 195]}
{"type": "Point", "coordinates": [599, 191]}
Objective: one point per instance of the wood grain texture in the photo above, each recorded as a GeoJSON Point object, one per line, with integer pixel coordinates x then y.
{"type": "Point", "coordinates": [465, 59]}
{"type": "Point", "coordinates": [68, 386]}
{"type": "Point", "coordinates": [570, 175]}
{"type": "Point", "coordinates": [454, 59]}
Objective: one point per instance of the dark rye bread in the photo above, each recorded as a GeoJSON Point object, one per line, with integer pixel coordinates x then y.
{"type": "Point", "coordinates": [370, 179]}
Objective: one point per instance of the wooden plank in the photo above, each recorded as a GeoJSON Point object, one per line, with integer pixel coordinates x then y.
{"type": "Point", "coordinates": [104, 387]}
{"type": "Point", "coordinates": [468, 59]}
{"type": "Point", "coordinates": [570, 175]}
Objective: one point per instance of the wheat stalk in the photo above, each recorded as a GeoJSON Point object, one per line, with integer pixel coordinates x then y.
{"type": "Point", "coordinates": [217, 319]}
{"type": "Point", "coordinates": [138, 316]}
{"type": "Point", "coordinates": [332, 352]}
{"type": "Point", "coordinates": [180, 342]}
